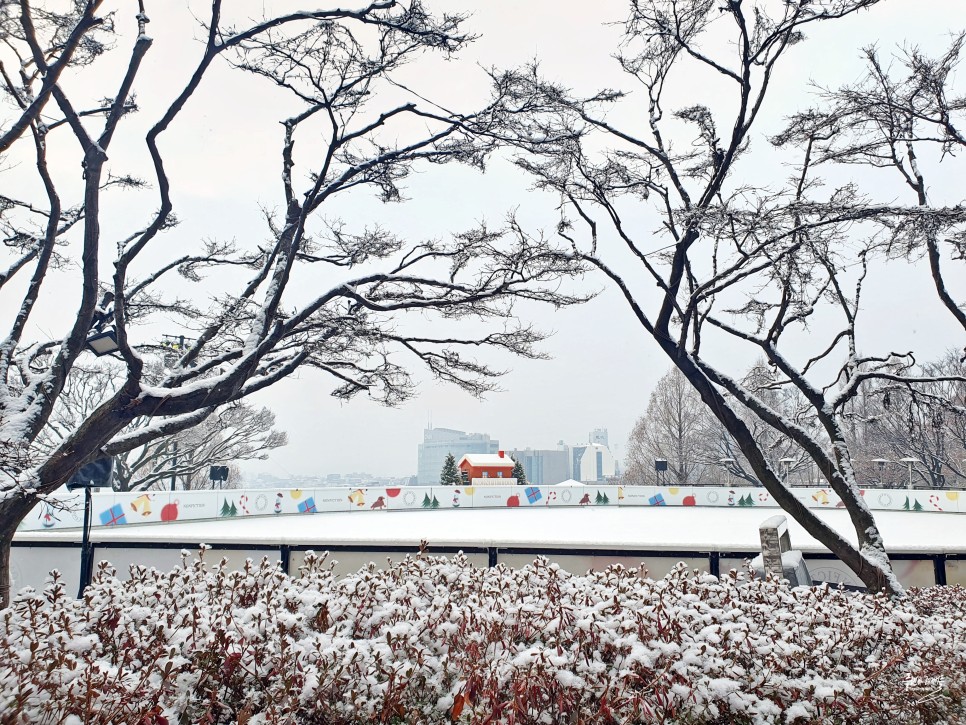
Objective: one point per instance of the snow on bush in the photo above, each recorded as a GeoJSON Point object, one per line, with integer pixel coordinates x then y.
{"type": "Point", "coordinates": [430, 640]}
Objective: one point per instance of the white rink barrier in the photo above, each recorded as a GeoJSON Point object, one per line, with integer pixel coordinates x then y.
{"type": "Point", "coordinates": [122, 509]}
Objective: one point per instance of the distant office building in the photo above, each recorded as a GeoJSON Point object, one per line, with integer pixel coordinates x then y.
{"type": "Point", "coordinates": [544, 467]}
{"type": "Point", "coordinates": [438, 442]}
{"type": "Point", "coordinates": [593, 462]}
{"type": "Point", "coordinates": [599, 435]}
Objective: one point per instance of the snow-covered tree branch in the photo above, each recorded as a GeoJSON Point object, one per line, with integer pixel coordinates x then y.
{"type": "Point", "coordinates": [347, 128]}
{"type": "Point", "coordinates": [721, 260]}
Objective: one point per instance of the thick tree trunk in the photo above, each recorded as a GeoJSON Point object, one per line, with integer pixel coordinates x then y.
{"type": "Point", "coordinates": [6, 539]}
{"type": "Point", "coordinates": [868, 560]}
{"type": "Point", "coordinates": [12, 512]}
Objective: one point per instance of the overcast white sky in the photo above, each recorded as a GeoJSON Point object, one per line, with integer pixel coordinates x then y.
{"type": "Point", "coordinates": [224, 164]}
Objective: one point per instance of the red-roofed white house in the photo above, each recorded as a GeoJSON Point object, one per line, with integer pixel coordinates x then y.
{"type": "Point", "coordinates": [480, 469]}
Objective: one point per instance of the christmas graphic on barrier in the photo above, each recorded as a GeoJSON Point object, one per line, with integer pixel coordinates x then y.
{"type": "Point", "coordinates": [307, 506]}
{"type": "Point", "coordinates": [114, 516]}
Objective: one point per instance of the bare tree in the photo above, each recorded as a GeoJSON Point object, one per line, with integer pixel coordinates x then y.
{"type": "Point", "coordinates": [373, 292]}
{"type": "Point", "coordinates": [675, 429]}
{"type": "Point", "coordinates": [680, 429]}
{"type": "Point", "coordinates": [737, 265]}
{"type": "Point", "coordinates": [925, 422]}
{"type": "Point", "coordinates": [891, 120]}
{"type": "Point", "coordinates": [235, 432]}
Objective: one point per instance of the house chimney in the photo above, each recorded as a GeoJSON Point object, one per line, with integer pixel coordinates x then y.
{"type": "Point", "coordinates": [500, 453]}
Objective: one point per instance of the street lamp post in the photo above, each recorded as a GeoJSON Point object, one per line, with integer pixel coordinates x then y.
{"type": "Point", "coordinates": [174, 465]}
{"type": "Point", "coordinates": [728, 463]}
{"type": "Point", "coordinates": [909, 461]}
{"type": "Point", "coordinates": [787, 468]}
{"type": "Point", "coordinates": [881, 463]}
{"type": "Point", "coordinates": [94, 475]}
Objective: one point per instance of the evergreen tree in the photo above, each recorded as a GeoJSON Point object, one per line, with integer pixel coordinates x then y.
{"type": "Point", "coordinates": [518, 472]}
{"type": "Point", "coordinates": [450, 475]}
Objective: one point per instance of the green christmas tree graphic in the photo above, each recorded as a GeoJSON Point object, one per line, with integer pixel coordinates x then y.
{"type": "Point", "coordinates": [746, 501]}
{"type": "Point", "coordinates": [426, 502]}
{"type": "Point", "coordinates": [227, 510]}
{"type": "Point", "coordinates": [917, 506]}
{"type": "Point", "coordinates": [601, 499]}
{"type": "Point", "coordinates": [434, 504]}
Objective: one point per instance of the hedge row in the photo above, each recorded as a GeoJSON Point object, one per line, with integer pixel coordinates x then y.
{"type": "Point", "coordinates": [431, 640]}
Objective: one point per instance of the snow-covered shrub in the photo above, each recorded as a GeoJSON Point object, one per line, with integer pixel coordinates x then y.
{"type": "Point", "coordinates": [433, 641]}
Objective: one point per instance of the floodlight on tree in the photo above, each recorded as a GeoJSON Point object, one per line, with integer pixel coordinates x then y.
{"type": "Point", "coordinates": [103, 343]}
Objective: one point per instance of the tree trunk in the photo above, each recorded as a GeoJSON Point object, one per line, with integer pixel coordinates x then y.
{"type": "Point", "coordinates": [859, 559]}
{"type": "Point", "coordinates": [12, 512]}
{"type": "Point", "coordinates": [6, 538]}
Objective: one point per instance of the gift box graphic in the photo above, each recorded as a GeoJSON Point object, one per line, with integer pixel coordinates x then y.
{"type": "Point", "coordinates": [533, 494]}
{"type": "Point", "coordinates": [113, 516]}
{"type": "Point", "coordinates": [307, 506]}
{"type": "Point", "coordinates": [657, 500]}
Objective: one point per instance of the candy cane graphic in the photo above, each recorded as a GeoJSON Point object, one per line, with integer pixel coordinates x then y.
{"type": "Point", "coordinates": [934, 500]}
{"type": "Point", "coordinates": [242, 500]}
{"type": "Point", "coordinates": [552, 496]}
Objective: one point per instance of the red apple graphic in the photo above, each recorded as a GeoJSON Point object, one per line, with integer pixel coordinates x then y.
{"type": "Point", "coordinates": [689, 501]}
{"type": "Point", "coordinates": [169, 512]}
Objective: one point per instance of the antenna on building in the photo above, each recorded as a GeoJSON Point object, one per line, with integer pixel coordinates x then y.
{"type": "Point", "coordinates": [430, 426]}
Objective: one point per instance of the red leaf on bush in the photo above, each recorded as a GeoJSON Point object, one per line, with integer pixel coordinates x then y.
{"type": "Point", "coordinates": [154, 717]}
{"type": "Point", "coordinates": [458, 704]}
